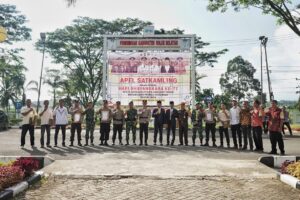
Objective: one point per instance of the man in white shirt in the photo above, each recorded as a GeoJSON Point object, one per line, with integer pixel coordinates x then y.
{"type": "Point", "coordinates": [155, 68]}
{"type": "Point", "coordinates": [235, 124]}
{"type": "Point", "coordinates": [46, 121]}
{"type": "Point", "coordinates": [61, 121]}
{"type": "Point", "coordinates": [143, 68]}
{"type": "Point", "coordinates": [29, 118]}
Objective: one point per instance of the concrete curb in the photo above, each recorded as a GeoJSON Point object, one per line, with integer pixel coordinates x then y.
{"type": "Point", "coordinates": [11, 192]}
{"type": "Point", "coordinates": [276, 162]}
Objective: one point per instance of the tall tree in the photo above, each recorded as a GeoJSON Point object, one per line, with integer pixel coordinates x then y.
{"type": "Point", "coordinates": [79, 48]}
{"type": "Point", "coordinates": [54, 80]}
{"type": "Point", "coordinates": [238, 81]}
{"type": "Point", "coordinates": [286, 11]}
{"type": "Point", "coordinates": [12, 79]}
{"type": "Point", "coordinates": [14, 23]}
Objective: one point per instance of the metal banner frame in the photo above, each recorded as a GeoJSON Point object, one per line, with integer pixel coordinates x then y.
{"type": "Point", "coordinates": [190, 37]}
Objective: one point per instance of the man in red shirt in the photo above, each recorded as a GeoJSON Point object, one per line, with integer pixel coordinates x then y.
{"type": "Point", "coordinates": [257, 124]}
{"type": "Point", "coordinates": [275, 127]}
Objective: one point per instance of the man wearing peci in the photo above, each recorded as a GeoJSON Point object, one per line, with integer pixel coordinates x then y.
{"type": "Point", "coordinates": [167, 68]}
{"type": "Point", "coordinates": [159, 119]}
{"type": "Point", "coordinates": [171, 116]}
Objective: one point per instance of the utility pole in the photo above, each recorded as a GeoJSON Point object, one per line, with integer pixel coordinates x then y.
{"type": "Point", "coordinates": [264, 41]}
{"type": "Point", "coordinates": [261, 72]}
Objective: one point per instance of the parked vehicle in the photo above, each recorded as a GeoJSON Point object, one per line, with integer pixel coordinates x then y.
{"type": "Point", "coordinates": [4, 124]}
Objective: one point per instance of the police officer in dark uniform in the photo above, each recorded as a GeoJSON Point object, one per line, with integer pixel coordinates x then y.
{"type": "Point", "coordinates": [171, 116]}
{"type": "Point", "coordinates": [159, 118]}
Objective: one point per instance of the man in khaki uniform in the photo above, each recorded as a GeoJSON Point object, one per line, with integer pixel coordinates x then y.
{"type": "Point", "coordinates": [29, 118]}
{"type": "Point", "coordinates": [144, 118]}
{"type": "Point", "coordinates": [118, 122]}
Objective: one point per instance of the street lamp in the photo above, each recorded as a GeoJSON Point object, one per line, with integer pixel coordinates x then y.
{"type": "Point", "coordinates": [43, 38]}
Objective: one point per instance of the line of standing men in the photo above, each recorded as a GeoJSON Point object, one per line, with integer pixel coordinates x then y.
{"type": "Point", "coordinates": [246, 123]}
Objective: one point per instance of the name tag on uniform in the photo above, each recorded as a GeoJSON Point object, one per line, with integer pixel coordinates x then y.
{"type": "Point", "coordinates": [209, 117]}
{"type": "Point", "coordinates": [77, 117]}
{"type": "Point", "coordinates": [104, 116]}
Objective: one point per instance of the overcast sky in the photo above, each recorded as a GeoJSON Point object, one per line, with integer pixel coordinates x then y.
{"type": "Point", "coordinates": [238, 32]}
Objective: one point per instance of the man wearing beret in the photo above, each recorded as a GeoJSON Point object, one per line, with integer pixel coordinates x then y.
{"type": "Point", "coordinates": [159, 118]}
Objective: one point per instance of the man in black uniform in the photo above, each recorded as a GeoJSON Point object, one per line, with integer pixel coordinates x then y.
{"type": "Point", "coordinates": [183, 116]}
{"type": "Point", "coordinates": [159, 119]}
{"type": "Point", "coordinates": [171, 116]}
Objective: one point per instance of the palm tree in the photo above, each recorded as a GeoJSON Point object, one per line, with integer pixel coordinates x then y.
{"type": "Point", "coordinates": [54, 80]}
{"type": "Point", "coordinates": [30, 86]}
{"type": "Point", "coordinates": [198, 78]}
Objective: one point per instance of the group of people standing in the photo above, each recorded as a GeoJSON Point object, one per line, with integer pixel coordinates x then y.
{"type": "Point", "coordinates": [245, 122]}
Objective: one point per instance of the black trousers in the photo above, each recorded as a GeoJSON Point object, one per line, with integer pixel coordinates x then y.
{"type": "Point", "coordinates": [183, 134]}
{"type": "Point", "coordinates": [171, 127]}
{"type": "Point", "coordinates": [257, 137]}
{"type": "Point", "coordinates": [210, 127]}
{"type": "Point", "coordinates": [144, 131]}
{"type": "Point", "coordinates": [25, 129]}
{"type": "Point", "coordinates": [117, 128]}
{"type": "Point", "coordinates": [224, 131]}
{"type": "Point", "coordinates": [236, 130]}
{"type": "Point", "coordinates": [104, 131]}
{"type": "Point", "coordinates": [75, 127]}
{"type": "Point", "coordinates": [289, 127]}
{"type": "Point", "coordinates": [247, 135]}
{"type": "Point", "coordinates": [158, 128]}
{"type": "Point", "coordinates": [265, 126]}
{"type": "Point", "coordinates": [63, 131]}
{"type": "Point", "coordinates": [45, 128]}
{"type": "Point", "coordinates": [275, 138]}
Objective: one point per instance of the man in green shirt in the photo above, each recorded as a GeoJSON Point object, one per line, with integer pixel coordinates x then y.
{"type": "Point", "coordinates": [131, 121]}
{"type": "Point", "coordinates": [89, 123]}
{"type": "Point", "coordinates": [197, 118]}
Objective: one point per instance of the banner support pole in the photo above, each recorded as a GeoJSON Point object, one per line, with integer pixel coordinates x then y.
{"type": "Point", "coordinates": [193, 71]}
{"type": "Point", "coordinates": [104, 70]}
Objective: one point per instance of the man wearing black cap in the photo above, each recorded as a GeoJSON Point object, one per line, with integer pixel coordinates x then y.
{"type": "Point", "coordinates": [131, 121]}
{"type": "Point", "coordinates": [171, 116]}
{"type": "Point", "coordinates": [144, 118]}
{"type": "Point", "coordinates": [159, 119]}
{"type": "Point", "coordinates": [105, 120]}
{"type": "Point", "coordinates": [183, 116]}
{"type": "Point", "coordinates": [118, 122]}
{"type": "Point", "coordinates": [197, 118]}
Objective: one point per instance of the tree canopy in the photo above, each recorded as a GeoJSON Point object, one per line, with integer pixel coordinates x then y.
{"type": "Point", "coordinates": [238, 81]}
{"type": "Point", "coordinates": [14, 23]}
{"type": "Point", "coordinates": [286, 11]}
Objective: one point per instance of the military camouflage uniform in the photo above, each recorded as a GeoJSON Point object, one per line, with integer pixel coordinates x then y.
{"type": "Point", "coordinates": [197, 118]}
{"type": "Point", "coordinates": [90, 125]}
{"type": "Point", "coordinates": [131, 120]}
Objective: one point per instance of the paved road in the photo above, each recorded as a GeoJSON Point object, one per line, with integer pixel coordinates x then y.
{"type": "Point", "coordinates": [153, 172]}
{"type": "Point", "coordinates": [10, 146]}
{"type": "Point", "coordinates": [215, 188]}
